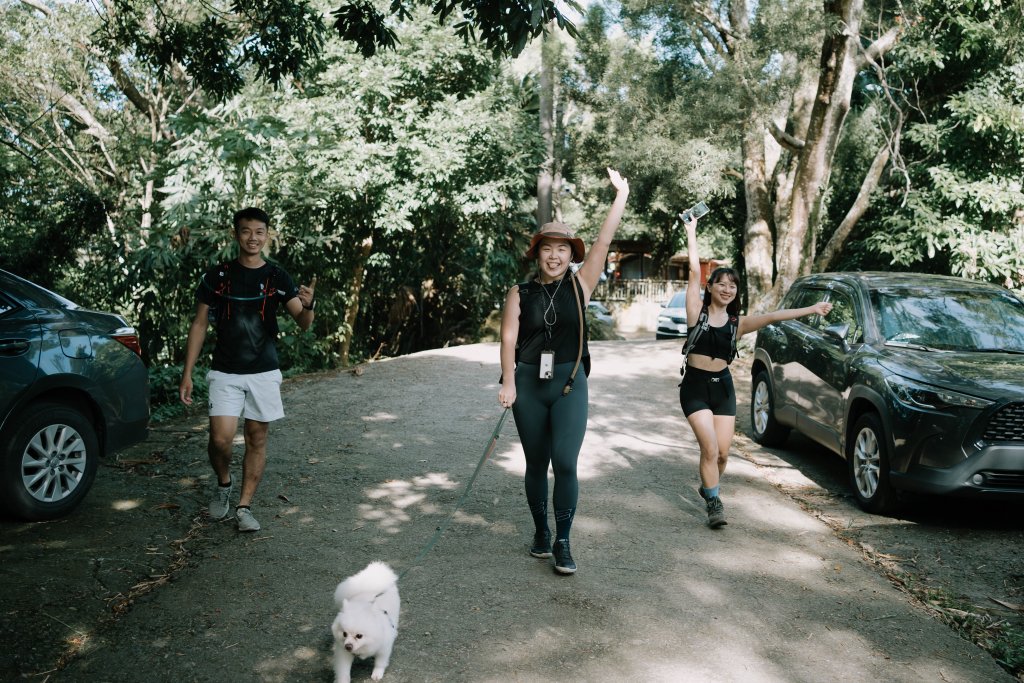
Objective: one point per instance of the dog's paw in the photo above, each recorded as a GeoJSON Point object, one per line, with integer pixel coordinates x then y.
{"type": "Point", "coordinates": [377, 674]}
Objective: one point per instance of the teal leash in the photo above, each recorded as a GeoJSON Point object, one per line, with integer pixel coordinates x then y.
{"type": "Point", "coordinates": [465, 493]}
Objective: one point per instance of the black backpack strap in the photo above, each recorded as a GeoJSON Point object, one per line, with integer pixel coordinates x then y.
{"type": "Point", "coordinates": [734, 329]}
{"type": "Point", "coordinates": [691, 338]}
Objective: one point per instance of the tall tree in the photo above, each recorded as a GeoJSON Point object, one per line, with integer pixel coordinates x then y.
{"type": "Point", "coordinates": [791, 90]}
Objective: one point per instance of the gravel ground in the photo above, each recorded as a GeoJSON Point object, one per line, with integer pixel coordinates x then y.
{"type": "Point", "coordinates": [139, 585]}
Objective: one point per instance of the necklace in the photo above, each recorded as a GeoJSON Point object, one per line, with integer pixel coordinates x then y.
{"type": "Point", "coordinates": [550, 308]}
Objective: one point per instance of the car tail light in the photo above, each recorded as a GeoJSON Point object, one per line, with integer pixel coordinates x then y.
{"type": "Point", "coordinates": [130, 338]}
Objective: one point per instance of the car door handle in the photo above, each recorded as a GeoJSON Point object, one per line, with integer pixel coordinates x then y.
{"type": "Point", "coordinates": [13, 347]}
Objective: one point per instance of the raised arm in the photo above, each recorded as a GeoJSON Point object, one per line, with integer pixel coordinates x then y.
{"type": "Point", "coordinates": [752, 323]}
{"type": "Point", "coordinates": [693, 298]}
{"type": "Point", "coordinates": [594, 262]}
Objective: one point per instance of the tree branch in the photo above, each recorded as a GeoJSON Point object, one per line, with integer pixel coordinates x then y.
{"type": "Point", "coordinates": [791, 143]}
{"type": "Point", "coordinates": [857, 209]}
{"type": "Point", "coordinates": [39, 7]}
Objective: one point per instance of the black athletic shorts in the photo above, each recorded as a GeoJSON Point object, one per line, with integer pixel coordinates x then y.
{"type": "Point", "coordinates": [705, 390]}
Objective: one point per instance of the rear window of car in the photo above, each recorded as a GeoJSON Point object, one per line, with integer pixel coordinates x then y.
{"type": "Point", "coordinates": [19, 290]}
{"type": "Point", "coordinates": [6, 305]}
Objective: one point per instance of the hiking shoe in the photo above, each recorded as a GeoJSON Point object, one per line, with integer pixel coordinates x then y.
{"type": "Point", "coordinates": [563, 558]}
{"type": "Point", "coordinates": [716, 512]}
{"type": "Point", "coordinates": [220, 505]}
{"type": "Point", "coordinates": [541, 544]}
{"type": "Point", "coordinates": [246, 522]}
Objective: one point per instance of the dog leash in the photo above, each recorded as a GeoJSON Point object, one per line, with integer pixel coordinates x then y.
{"type": "Point", "coordinates": [441, 529]}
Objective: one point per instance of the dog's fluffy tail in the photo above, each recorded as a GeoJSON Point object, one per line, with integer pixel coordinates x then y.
{"type": "Point", "coordinates": [376, 578]}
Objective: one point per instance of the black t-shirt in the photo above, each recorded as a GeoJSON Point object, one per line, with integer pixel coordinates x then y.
{"type": "Point", "coordinates": [565, 333]}
{"type": "Point", "coordinates": [244, 303]}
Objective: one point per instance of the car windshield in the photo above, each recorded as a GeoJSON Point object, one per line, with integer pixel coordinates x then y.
{"type": "Point", "coordinates": [959, 320]}
{"type": "Point", "coordinates": [678, 300]}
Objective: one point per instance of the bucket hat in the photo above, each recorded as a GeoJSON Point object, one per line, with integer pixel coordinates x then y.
{"type": "Point", "coordinates": [557, 231]}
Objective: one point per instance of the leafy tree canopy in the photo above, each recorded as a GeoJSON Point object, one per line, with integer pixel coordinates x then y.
{"type": "Point", "coordinates": [219, 43]}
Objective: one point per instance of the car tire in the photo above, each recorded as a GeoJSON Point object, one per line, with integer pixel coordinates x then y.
{"type": "Point", "coordinates": [767, 430]}
{"type": "Point", "coordinates": [49, 462]}
{"type": "Point", "coordinates": [867, 457]}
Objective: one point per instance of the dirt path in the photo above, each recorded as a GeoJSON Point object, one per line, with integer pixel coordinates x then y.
{"type": "Point", "coordinates": [366, 466]}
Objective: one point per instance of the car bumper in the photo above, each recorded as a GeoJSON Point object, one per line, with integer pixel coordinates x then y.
{"type": "Point", "coordinates": [671, 331]}
{"type": "Point", "coordinates": [994, 472]}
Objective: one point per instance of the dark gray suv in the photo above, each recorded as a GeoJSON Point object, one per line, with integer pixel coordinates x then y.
{"type": "Point", "coordinates": [917, 380]}
{"type": "Point", "coordinates": [72, 387]}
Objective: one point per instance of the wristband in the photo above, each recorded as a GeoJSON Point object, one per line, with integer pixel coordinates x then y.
{"type": "Point", "coordinates": [311, 306]}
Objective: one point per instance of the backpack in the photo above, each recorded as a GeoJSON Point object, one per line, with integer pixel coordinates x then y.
{"type": "Point", "coordinates": [222, 288]}
{"type": "Point", "coordinates": [701, 327]}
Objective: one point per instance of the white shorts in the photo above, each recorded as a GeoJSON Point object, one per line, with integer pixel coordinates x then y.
{"type": "Point", "coordinates": [253, 397]}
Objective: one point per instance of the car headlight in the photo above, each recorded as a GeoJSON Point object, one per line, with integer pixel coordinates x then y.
{"type": "Point", "coordinates": [663, 319]}
{"type": "Point", "coordinates": [918, 395]}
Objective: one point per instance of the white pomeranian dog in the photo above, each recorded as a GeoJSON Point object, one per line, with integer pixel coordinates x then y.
{"type": "Point", "coordinates": [367, 621]}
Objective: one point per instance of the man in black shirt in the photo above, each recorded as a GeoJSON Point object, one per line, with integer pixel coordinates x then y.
{"type": "Point", "coordinates": [241, 299]}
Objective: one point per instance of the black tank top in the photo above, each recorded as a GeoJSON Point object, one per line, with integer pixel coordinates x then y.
{"type": "Point", "coordinates": [715, 342]}
{"type": "Point", "coordinates": [565, 333]}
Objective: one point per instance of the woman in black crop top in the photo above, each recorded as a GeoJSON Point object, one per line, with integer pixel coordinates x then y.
{"type": "Point", "coordinates": [706, 393]}
{"type": "Point", "coordinates": [540, 327]}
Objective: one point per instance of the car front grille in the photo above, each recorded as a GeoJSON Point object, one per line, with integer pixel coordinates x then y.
{"type": "Point", "coordinates": [1007, 424]}
{"type": "Point", "coordinates": [1004, 480]}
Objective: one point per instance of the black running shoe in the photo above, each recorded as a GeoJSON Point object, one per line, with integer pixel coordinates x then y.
{"type": "Point", "coordinates": [563, 558]}
{"type": "Point", "coordinates": [541, 544]}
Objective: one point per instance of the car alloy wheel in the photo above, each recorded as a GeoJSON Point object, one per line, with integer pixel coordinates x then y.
{"type": "Point", "coordinates": [767, 430]}
{"type": "Point", "coordinates": [868, 460]}
{"type": "Point", "coordinates": [49, 462]}
{"type": "Point", "coordinates": [53, 463]}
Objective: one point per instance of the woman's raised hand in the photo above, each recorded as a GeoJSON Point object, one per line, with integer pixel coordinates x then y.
{"type": "Point", "coordinates": [618, 182]}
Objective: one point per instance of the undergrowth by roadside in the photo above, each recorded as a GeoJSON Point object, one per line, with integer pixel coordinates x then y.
{"type": "Point", "coordinates": [1001, 637]}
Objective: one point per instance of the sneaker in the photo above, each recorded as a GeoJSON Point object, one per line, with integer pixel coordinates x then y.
{"type": "Point", "coordinates": [716, 512]}
{"type": "Point", "coordinates": [220, 505]}
{"type": "Point", "coordinates": [246, 522]}
{"type": "Point", "coordinates": [541, 544]}
{"type": "Point", "coordinates": [563, 558]}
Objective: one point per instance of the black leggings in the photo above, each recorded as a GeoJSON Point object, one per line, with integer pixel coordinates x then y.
{"type": "Point", "coordinates": [706, 390]}
{"type": "Point", "coordinates": [551, 427]}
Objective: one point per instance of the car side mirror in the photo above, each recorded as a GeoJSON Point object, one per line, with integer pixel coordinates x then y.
{"type": "Point", "coordinates": [838, 334]}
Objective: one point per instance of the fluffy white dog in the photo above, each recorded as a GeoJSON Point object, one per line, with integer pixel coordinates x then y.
{"type": "Point", "coordinates": [367, 621]}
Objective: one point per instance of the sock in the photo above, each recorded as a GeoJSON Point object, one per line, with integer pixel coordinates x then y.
{"type": "Point", "coordinates": [563, 523]}
{"type": "Point", "coordinates": [241, 507]}
{"type": "Point", "coordinates": [539, 512]}
{"type": "Point", "coordinates": [711, 492]}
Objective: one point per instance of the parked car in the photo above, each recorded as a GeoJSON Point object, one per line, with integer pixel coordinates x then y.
{"type": "Point", "coordinates": [917, 380]}
{"type": "Point", "coordinates": [672, 318]}
{"type": "Point", "coordinates": [72, 387]}
{"type": "Point", "coordinates": [601, 312]}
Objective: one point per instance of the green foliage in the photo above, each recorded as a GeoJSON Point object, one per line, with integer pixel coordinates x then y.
{"type": "Point", "coordinates": [422, 154]}
{"type": "Point", "coordinates": [163, 392]}
{"type": "Point", "coordinates": [965, 206]}
{"type": "Point", "coordinates": [221, 44]}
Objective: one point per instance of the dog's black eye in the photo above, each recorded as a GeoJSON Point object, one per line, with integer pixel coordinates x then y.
{"type": "Point", "coordinates": [359, 636]}
{"type": "Point", "coordinates": [344, 634]}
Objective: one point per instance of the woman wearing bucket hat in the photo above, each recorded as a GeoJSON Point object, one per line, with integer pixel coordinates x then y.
{"type": "Point", "coordinates": [543, 345]}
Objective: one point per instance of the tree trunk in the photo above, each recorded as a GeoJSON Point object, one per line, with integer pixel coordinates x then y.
{"type": "Point", "coordinates": [838, 67]}
{"type": "Point", "coordinates": [545, 179]}
{"type": "Point", "coordinates": [352, 314]}
{"type": "Point", "coordinates": [757, 237]}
